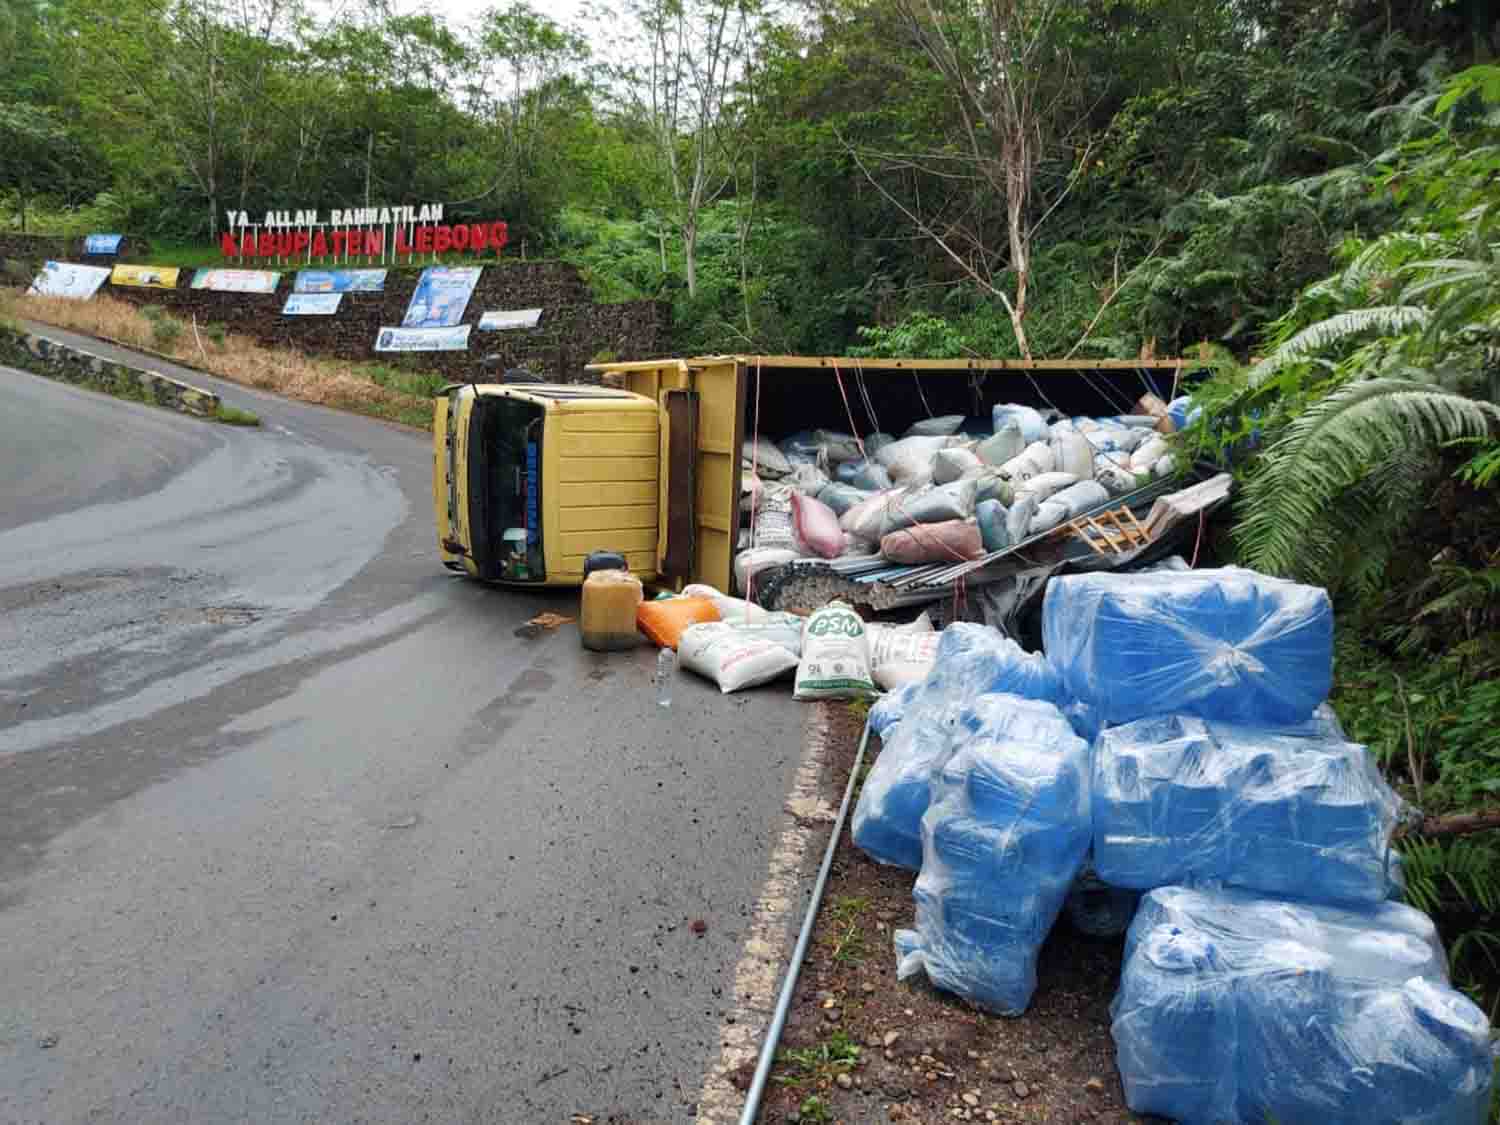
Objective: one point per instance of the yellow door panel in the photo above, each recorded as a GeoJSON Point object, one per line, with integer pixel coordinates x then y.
{"type": "Point", "coordinates": [608, 444]}
{"type": "Point", "coordinates": [642, 540]}
{"type": "Point", "coordinates": [606, 519]}
{"type": "Point", "coordinates": [620, 493]}
{"type": "Point", "coordinates": [613, 422]}
{"type": "Point", "coordinates": [576, 469]}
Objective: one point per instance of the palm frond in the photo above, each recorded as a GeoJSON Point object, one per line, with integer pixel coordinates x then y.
{"type": "Point", "coordinates": [1390, 320]}
{"type": "Point", "coordinates": [1330, 448]}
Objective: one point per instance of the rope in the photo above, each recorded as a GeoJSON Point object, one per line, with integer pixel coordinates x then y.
{"type": "Point", "coordinates": [921, 395]}
{"type": "Point", "coordinates": [1199, 541]}
{"type": "Point", "coordinates": [755, 472]}
{"type": "Point", "coordinates": [848, 411]}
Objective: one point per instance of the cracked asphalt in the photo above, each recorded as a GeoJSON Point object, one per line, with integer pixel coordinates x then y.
{"type": "Point", "coordinates": [293, 827]}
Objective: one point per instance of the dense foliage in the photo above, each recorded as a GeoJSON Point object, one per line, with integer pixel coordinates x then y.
{"type": "Point", "coordinates": [1312, 186]}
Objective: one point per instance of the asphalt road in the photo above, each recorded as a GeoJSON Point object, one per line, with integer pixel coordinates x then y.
{"type": "Point", "coordinates": [293, 827]}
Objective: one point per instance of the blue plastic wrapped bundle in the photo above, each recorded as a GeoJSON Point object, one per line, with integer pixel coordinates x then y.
{"type": "Point", "coordinates": [972, 661]}
{"type": "Point", "coordinates": [1237, 1008]}
{"type": "Point", "coordinates": [891, 707]}
{"type": "Point", "coordinates": [1098, 910]}
{"type": "Point", "coordinates": [1226, 644]}
{"type": "Point", "coordinates": [1007, 833]}
{"type": "Point", "coordinates": [1177, 799]}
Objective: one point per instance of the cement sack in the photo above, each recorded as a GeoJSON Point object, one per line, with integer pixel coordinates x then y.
{"type": "Point", "coordinates": [949, 465]}
{"type": "Point", "coordinates": [990, 485]}
{"type": "Point", "coordinates": [951, 541]}
{"type": "Point", "coordinates": [1068, 504]}
{"type": "Point", "coordinates": [765, 458]}
{"type": "Point", "coordinates": [1165, 467]}
{"type": "Point", "coordinates": [1148, 454]}
{"type": "Point", "coordinates": [934, 504]}
{"type": "Point", "coordinates": [773, 519]}
{"type": "Point", "coordinates": [1006, 443]}
{"type": "Point", "coordinates": [910, 459]}
{"type": "Point", "coordinates": [807, 479]}
{"type": "Point", "coordinates": [900, 656]}
{"type": "Point", "coordinates": [1118, 479]}
{"type": "Point", "coordinates": [747, 564]}
{"type": "Point", "coordinates": [835, 656]}
{"type": "Point", "coordinates": [1033, 461]}
{"type": "Point", "coordinates": [878, 441]}
{"type": "Point", "coordinates": [1018, 520]}
{"type": "Point", "coordinates": [867, 518]}
{"type": "Point", "coordinates": [870, 476]}
{"type": "Point", "coordinates": [816, 527]}
{"type": "Point", "coordinates": [991, 517]}
{"type": "Point", "coordinates": [803, 445]}
{"type": "Point", "coordinates": [942, 426]}
{"type": "Point", "coordinates": [1072, 453]}
{"type": "Point", "coordinates": [751, 490]}
{"type": "Point", "coordinates": [838, 447]}
{"type": "Point", "coordinates": [841, 497]}
{"type": "Point", "coordinates": [732, 658]}
{"type": "Point", "coordinates": [1029, 421]}
{"type": "Point", "coordinates": [1045, 485]}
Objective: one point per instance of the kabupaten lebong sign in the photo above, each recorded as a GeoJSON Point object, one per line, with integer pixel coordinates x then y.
{"type": "Point", "coordinates": [369, 234]}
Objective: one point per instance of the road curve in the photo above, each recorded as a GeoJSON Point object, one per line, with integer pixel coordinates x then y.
{"type": "Point", "coordinates": [293, 826]}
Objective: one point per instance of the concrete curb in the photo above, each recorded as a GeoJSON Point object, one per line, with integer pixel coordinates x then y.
{"type": "Point", "coordinates": [42, 356]}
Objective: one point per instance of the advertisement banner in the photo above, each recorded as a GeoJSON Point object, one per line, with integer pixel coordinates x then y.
{"type": "Point", "coordinates": [340, 281]}
{"type": "Point", "coordinates": [312, 304]}
{"type": "Point", "coordinates": [441, 296]}
{"type": "Point", "coordinates": [102, 243]}
{"type": "Point", "coordinates": [151, 277]}
{"type": "Point", "coordinates": [237, 281]}
{"type": "Point", "coordinates": [494, 321]}
{"type": "Point", "coordinates": [454, 339]}
{"type": "Point", "coordinates": [64, 279]}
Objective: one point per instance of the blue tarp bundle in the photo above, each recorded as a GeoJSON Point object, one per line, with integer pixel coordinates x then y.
{"type": "Point", "coordinates": [1237, 1008]}
{"type": "Point", "coordinates": [1178, 799]}
{"type": "Point", "coordinates": [1226, 644]}
{"type": "Point", "coordinates": [1003, 841]}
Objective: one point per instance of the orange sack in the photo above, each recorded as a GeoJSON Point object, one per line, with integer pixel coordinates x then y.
{"type": "Point", "coordinates": [664, 621]}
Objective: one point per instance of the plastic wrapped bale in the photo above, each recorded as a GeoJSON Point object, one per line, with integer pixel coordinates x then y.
{"type": "Point", "coordinates": [1005, 837]}
{"type": "Point", "coordinates": [1178, 799]}
{"type": "Point", "coordinates": [972, 665]}
{"type": "Point", "coordinates": [1226, 644]}
{"type": "Point", "coordinates": [1237, 1008]}
{"type": "Point", "coordinates": [891, 707]}
{"type": "Point", "coordinates": [1095, 909]}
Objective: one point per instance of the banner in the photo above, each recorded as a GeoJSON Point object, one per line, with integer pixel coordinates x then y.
{"type": "Point", "coordinates": [151, 277]}
{"type": "Point", "coordinates": [102, 243]}
{"type": "Point", "coordinates": [237, 281]}
{"type": "Point", "coordinates": [441, 296]}
{"type": "Point", "coordinates": [312, 304]}
{"type": "Point", "coordinates": [423, 339]}
{"type": "Point", "coordinates": [64, 279]}
{"type": "Point", "coordinates": [339, 281]}
{"type": "Point", "coordinates": [516, 318]}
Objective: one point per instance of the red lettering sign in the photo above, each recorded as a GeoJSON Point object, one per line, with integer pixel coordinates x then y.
{"type": "Point", "coordinates": [424, 240]}
{"type": "Point", "coordinates": [429, 238]}
{"type": "Point", "coordinates": [319, 245]}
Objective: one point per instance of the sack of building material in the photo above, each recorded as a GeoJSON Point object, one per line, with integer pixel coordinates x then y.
{"type": "Point", "coordinates": [1117, 479]}
{"type": "Point", "coordinates": [1148, 454]}
{"type": "Point", "coordinates": [910, 459]}
{"type": "Point", "coordinates": [1033, 461]}
{"type": "Point", "coordinates": [841, 497]}
{"type": "Point", "coordinates": [1165, 467]}
{"type": "Point", "coordinates": [1112, 438]}
{"type": "Point", "coordinates": [748, 564]}
{"type": "Point", "coordinates": [1045, 485]}
{"type": "Point", "coordinates": [991, 516]}
{"type": "Point", "coordinates": [763, 456]}
{"type": "Point", "coordinates": [867, 518]}
{"type": "Point", "coordinates": [751, 490]}
{"type": "Point", "coordinates": [942, 426]}
{"type": "Point", "coordinates": [803, 445]}
{"type": "Point", "coordinates": [898, 659]}
{"type": "Point", "coordinates": [878, 441]}
{"type": "Point", "coordinates": [773, 519]}
{"type": "Point", "coordinates": [870, 476]}
{"type": "Point", "coordinates": [1007, 442]}
{"type": "Point", "coordinates": [835, 656]}
{"type": "Point", "coordinates": [1072, 453]}
{"type": "Point", "coordinates": [807, 479]}
{"type": "Point", "coordinates": [1018, 518]}
{"type": "Point", "coordinates": [952, 541]}
{"type": "Point", "coordinates": [990, 485]}
{"type": "Point", "coordinates": [949, 465]}
{"type": "Point", "coordinates": [1068, 504]}
{"type": "Point", "coordinates": [733, 658]}
{"type": "Point", "coordinates": [1027, 419]}
{"type": "Point", "coordinates": [930, 504]}
{"type": "Point", "coordinates": [838, 447]}
{"type": "Point", "coordinates": [816, 527]}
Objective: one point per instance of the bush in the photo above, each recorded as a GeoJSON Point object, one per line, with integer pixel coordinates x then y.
{"type": "Point", "coordinates": [216, 333]}
{"type": "Point", "coordinates": [165, 330]}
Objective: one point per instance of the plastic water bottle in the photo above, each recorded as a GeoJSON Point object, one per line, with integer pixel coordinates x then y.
{"type": "Point", "coordinates": [666, 672]}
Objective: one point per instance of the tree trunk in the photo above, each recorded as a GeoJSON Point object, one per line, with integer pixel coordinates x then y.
{"type": "Point", "coordinates": [369, 159]}
{"type": "Point", "coordinates": [1455, 824]}
{"type": "Point", "coordinates": [690, 253]}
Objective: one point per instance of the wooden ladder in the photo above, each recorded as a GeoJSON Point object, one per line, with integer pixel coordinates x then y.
{"type": "Point", "coordinates": [1117, 528]}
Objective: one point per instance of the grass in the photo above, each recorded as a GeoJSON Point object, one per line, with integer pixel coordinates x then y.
{"type": "Point", "coordinates": [822, 1063]}
{"type": "Point", "coordinates": [234, 416]}
{"type": "Point", "coordinates": [849, 940]}
{"type": "Point", "coordinates": [392, 393]}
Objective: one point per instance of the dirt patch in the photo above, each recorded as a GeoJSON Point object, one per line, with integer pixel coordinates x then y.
{"type": "Point", "coordinates": [861, 1047]}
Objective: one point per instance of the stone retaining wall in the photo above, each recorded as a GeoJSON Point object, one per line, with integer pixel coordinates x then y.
{"type": "Point", "coordinates": [43, 356]}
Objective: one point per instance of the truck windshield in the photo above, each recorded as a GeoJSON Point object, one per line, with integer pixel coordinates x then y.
{"type": "Point", "coordinates": [505, 450]}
